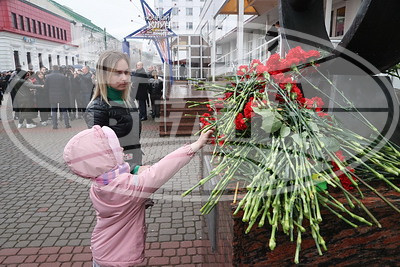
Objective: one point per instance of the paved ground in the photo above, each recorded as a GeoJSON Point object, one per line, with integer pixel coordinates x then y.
{"type": "Point", "coordinates": [46, 216]}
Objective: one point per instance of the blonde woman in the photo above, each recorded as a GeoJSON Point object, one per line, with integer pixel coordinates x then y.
{"type": "Point", "coordinates": [110, 105]}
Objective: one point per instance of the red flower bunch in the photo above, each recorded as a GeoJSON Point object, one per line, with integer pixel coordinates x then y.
{"type": "Point", "coordinates": [344, 180]}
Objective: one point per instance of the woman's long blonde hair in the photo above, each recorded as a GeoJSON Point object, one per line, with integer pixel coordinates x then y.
{"type": "Point", "coordinates": [104, 69]}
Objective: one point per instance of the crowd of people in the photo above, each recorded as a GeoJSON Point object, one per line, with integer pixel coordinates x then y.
{"type": "Point", "coordinates": [64, 92]}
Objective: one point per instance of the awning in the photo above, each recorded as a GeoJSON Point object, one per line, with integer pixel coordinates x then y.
{"type": "Point", "coordinates": [251, 7]}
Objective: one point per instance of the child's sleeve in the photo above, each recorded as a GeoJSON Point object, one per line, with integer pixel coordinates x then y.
{"type": "Point", "coordinates": [158, 174]}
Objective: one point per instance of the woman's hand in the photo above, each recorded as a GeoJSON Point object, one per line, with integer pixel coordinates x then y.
{"type": "Point", "coordinates": [203, 139]}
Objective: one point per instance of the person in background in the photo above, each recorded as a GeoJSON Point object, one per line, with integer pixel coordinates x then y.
{"type": "Point", "coordinates": [140, 89]}
{"type": "Point", "coordinates": [24, 98]}
{"type": "Point", "coordinates": [86, 86]}
{"type": "Point", "coordinates": [42, 99]}
{"type": "Point", "coordinates": [156, 89]}
{"type": "Point", "coordinates": [273, 32]}
{"type": "Point", "coordinates": [11, 88]}
{"type": "Point", "coordinates": [56, 84]}
{"type": "Point", "coordinates": [119, 198]}
{"type": "Point", "coordinates": [73, 90]}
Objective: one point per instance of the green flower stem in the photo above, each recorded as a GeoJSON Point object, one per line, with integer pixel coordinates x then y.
{"type": "Point", "coordinates": [377, 193]}
{"type": "Point", "coordinates": [339, 215]}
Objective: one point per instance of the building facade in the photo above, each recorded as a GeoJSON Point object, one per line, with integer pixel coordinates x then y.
{"type": "Point", "coordinates": [32, 37]}
{"type": "Point", "coordinates": [39, 33]}
{"type": "Point", "coordinates": [190, 53]}
{"type": "Point", "coordinates": [238, 37]}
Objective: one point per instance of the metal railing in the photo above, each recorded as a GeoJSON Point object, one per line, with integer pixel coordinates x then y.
{"type": "Point", "coordinates": [261, 52]}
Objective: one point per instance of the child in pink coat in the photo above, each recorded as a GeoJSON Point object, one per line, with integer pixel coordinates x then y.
{"type": "Point", "coordinates": [118, 196]}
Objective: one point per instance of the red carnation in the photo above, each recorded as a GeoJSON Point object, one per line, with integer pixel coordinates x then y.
{"type": "Point", "coordinates": [248, 109]}
{"type": "Point", "coordinates": [274, 64]}
{"type": "Point", "coordinates": [240, 122]}
{"type": "Point", "coordinates": [243, 69]}
{"type": "Point", "coordinates": [314, 103]}
{"type": "Point", "coordinates": [228, 95]}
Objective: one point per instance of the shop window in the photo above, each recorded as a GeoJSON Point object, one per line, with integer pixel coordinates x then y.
{"type": "Point", "coordinates": [340, 17]}
{"type": "Point", "coordinates": [21, 22]}
{"type": "Point", "coordinates": [14, 20]}
{"type": "Point", "coordinates": [28, 24]}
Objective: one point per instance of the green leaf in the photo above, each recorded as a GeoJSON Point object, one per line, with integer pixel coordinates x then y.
{"type": "Point", "coordinates": [313, 126]}
{"type": "Point", "coordinates": [271, 121]}
{"type": "Point", "coordinates": [285, 131]}
{"type": "Point", "coordinates": [330, 144]}
{"type": "Point", "coordinates": [296, 138]}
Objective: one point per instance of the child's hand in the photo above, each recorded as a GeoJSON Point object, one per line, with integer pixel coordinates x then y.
{"type": "Point", "coordinates": [203, 139]}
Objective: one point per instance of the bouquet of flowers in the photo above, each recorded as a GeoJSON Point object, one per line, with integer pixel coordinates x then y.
{"type": "Point", "coordinates": [289, 151]}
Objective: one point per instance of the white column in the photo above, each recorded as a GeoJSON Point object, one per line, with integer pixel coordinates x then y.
{"type": "Point", "coordinates": [328, 11]}
{"type": "Point", "coordinates": [240, 34]}
{"type": "Point", "coordinates": [213, 48]}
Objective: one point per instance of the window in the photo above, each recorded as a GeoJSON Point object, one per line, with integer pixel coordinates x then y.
{"type": "Point", "coordinates": [65, 35]}
{"type": "Point", "coordinates": [14, 20]}
{"type": "Point", "coordinates": [54, 31]}
{"type": "Point", "coordinates": [73, 61]}
{"type": "Point", "coordinates": [34, 26]}
{"type": "Point", "coordinates": [49, 29]}
{"type": "Point", "coordinates": [58, 33]}
{"type": "Point", "coordinates": [175, 25]}
{"type": "Point", "coordinates": [340, 14]}
{"type": "Point", "coordinates": [160, 11]}
{"type": "Point", "coordinates": [189, 11]}
{"type": "Point", "coordinates": [44, 29]}
{"type": "Point", "coordinates": [66, 60]}
{"type": "Point", "coordinates": [50, 62]}
{"type": "Point", "coordinates": [28, 58]}
{"type": "Point", "coordinates": [16, 59]}
{"type": "Point", "coordinates": [175, 11]}
{"type": "Point", "coordinates": [21, 21]}
{"type": "Point", "coordinates": [189, 25]}
{"type": "Point", "coordinates": [28, 24]}
{"type": "Point", "coordinates": [39, 26]}
{"type": "Point", "coordinates": [58, 60]}
{"type": "Point", "coordinates": [40, 60]}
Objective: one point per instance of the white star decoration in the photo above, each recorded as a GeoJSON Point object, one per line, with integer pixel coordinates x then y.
{"type": "Point", "coordinates": [156, 29]}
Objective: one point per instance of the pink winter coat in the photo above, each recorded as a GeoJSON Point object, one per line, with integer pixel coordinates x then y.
{"type": "Point", "coordinates": [118, 197]}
